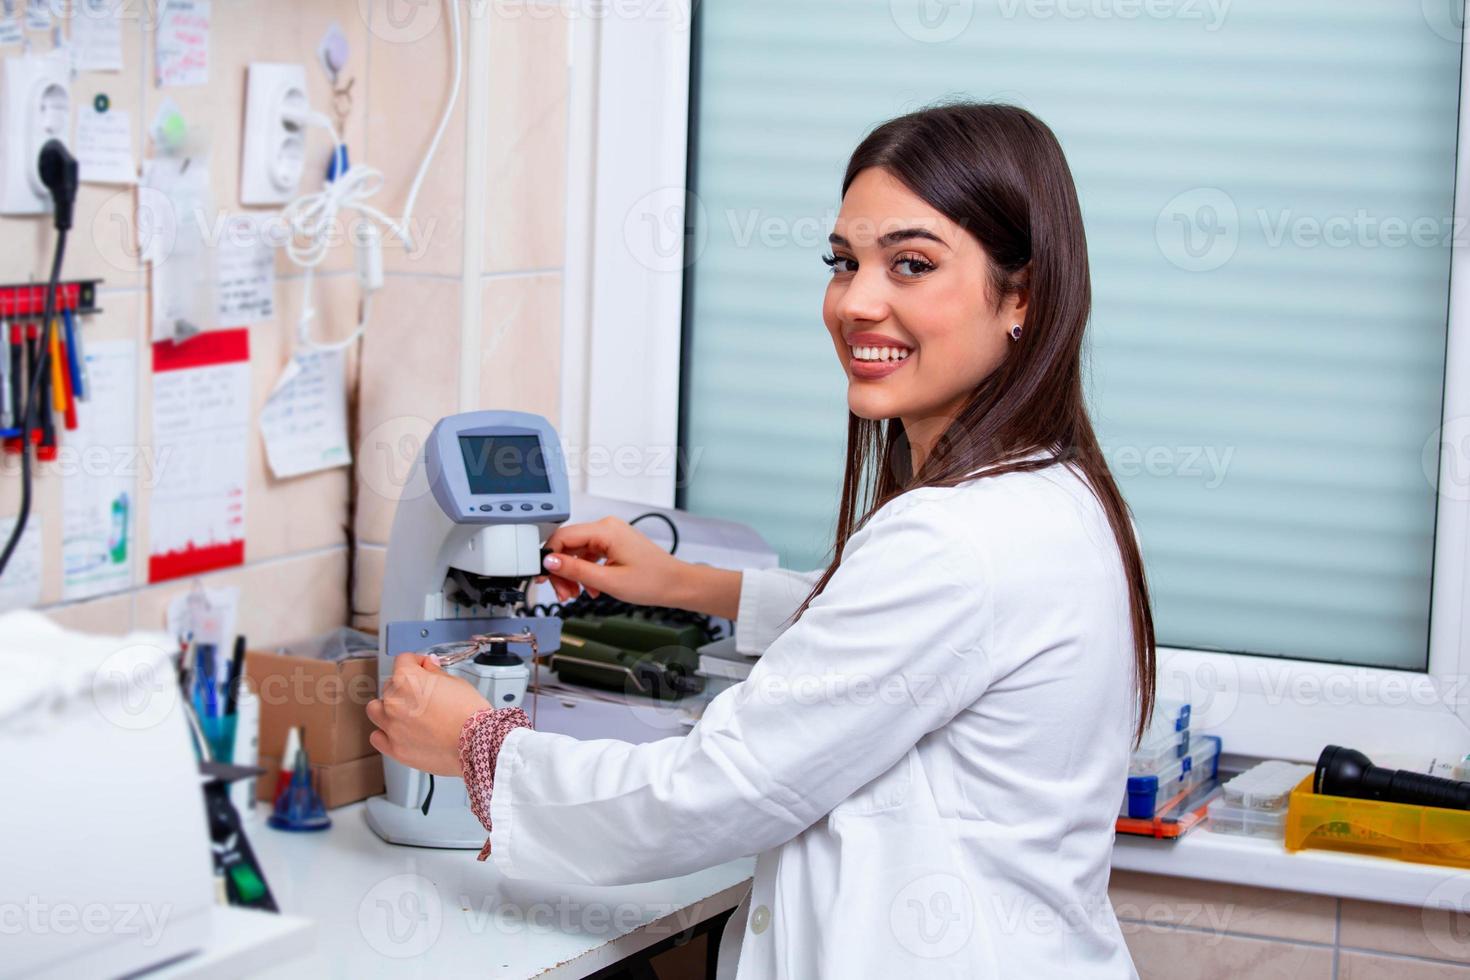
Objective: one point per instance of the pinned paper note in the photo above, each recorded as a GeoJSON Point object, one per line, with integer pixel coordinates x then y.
{"type": "Point", "coordinates": [105, 147]}
{"type": "Point", "coordinates": [96, 35]}
{"type": "Point", "coordinates": [173, 214]}
{"type": "Point", "coordinates": [245, 272]}
{"type": "Point", "coordinates": [182, 43]}
{"type": "Point", "coordinates": [201, 421]}
{"type": "Point", "coordinates": [38, 15]}
{"type": "Point", "coordinates": [10, 33]}
{"type": "Point", "coordinates": [20, 586]}
{"type": "Point", "coordinates": [97, 492]}
{"type": "Point", "coordinates": [304, 422]}
{"type": "Point", "coordinates": [210, 615]}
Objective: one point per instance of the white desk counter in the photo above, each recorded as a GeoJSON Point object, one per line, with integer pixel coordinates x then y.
{"type": "Point", "coordinates": [382, 909]}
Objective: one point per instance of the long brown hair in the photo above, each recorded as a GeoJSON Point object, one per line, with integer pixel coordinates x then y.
{"type": "Point", "coordinates": [999, 172]}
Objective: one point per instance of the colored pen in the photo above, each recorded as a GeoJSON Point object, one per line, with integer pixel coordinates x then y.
{"type": "Point", "coordinates": [33, 365]}
{"type": "Point", "coordinates": [73, 342]}
{"type": "Point", "coordinates": [62, 356]}
{"type": "Point", "coordinates": [236, 677]}
{"type": "Point", "coordinates": [17, 386]}
{"type": "Point", "coordinates": [52, 339]}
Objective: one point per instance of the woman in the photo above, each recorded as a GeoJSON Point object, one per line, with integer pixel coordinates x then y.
{"type": "Point", "coordinates": [929, 756]}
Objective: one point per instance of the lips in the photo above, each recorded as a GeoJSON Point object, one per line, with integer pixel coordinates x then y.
{"type": "Point", "coordinates": [873, 355]}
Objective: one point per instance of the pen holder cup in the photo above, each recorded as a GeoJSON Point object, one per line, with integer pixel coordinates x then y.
{"type": "Point", "coordinates": [219, 732]}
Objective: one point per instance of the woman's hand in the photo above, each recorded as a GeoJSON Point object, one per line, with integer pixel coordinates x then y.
{"type": "Point", "coordinates": [612, 556]}
{"type": "Point", "coordinates": [633, 568]}
{"type": "Point", "coordinates": [420, 715]}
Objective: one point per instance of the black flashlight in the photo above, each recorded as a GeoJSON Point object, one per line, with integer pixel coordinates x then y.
{"type": "Point", "coordinates": [1348, 772]}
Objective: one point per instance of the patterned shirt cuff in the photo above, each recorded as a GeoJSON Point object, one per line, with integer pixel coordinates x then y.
{"type": "Point", "coordinates": [479, 746]}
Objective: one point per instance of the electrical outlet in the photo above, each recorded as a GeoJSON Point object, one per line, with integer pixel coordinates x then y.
{"type": "Point", "coordinates": [35, 107]}
{"type": "Point", "coordinates": [274, 152]}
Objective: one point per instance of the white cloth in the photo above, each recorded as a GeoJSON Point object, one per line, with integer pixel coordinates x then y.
{"type": "Point", "coordinates": [928, 763]}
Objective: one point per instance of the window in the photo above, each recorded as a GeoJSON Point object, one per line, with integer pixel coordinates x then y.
{"type": "Point", "coordinates": [1279, 277]}
{"type": "Point", "coordinates": [1269, 194]}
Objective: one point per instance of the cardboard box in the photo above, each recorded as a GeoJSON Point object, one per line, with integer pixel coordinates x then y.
{"type": "Point", "coordinates": [338, 784]}
{"type": "Point", "coordinates": [326, 699]}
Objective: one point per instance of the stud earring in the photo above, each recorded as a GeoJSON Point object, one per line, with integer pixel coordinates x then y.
{"type": "Point", "coordinates": [1015, 331]}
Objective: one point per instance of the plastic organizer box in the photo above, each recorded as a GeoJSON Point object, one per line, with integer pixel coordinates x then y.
{"type": "Point", "coordinates": [1147, 792]}
{"type": "Point", "coordinates": [1428, 834]}
{"type": "Point", "coordinates": [1253, 804]}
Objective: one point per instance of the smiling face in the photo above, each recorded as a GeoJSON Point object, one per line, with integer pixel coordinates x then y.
{"type": "Point", "coordinates": [911, 307]}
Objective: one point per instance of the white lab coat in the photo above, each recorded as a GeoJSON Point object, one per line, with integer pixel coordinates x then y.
{"type": "Point", "coordinates": [928, 763]}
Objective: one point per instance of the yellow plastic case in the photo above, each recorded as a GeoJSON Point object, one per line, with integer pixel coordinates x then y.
{"type": "Point", "coordinates": [1429, 835]}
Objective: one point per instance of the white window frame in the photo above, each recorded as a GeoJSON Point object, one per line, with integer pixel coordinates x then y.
{"type": "Point", "coordinates": [1261, 706]}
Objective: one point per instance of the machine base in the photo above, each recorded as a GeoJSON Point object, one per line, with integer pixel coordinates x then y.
{"type": "Point", "coordinates": [452, 827]}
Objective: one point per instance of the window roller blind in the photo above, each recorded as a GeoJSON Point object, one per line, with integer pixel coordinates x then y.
{"type": "Point", "coordinates": [1268, 192]}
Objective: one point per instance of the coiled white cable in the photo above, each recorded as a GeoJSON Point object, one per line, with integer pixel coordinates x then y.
{"type": "Point", "coordinates": [312, 218]}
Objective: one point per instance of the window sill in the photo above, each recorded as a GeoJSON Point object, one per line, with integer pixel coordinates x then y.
{"type": "Point", "coordinates": [1206, 856]}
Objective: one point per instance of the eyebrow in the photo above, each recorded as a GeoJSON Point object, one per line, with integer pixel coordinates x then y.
{"type": "Point", "coordinates": [892, 237]}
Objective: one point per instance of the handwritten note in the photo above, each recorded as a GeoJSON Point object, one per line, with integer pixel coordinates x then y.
{"type": "Point", "coordinates": [98, 498]}
{"type": "Point", "coordinates": [20, 586]}
{"type": "Point", "coordinates": [245, 273]}
{"type": "Point", "coordinates": [96, 35]}
{"type": "Point", "coordinates": [38, 16]}
{"type": "Point", "coordinates": [304, 422]}
{"type": "Point", "coordinates": [183, 43]}
{"type": "Point", "coordinates": [201, 420]}
{"type": "Point", "coordinates": [105, 147]}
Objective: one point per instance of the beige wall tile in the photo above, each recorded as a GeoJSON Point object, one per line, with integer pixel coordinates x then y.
{"type": "Point", "coordinates": [408, 87]}
{"type": "Point", "coordinates": [520, 355]}
{"type": "Point", "coordinates": [527, 122]}
{"type": "Point", "coordinates": [1218, 907]}
{"type": "Point", "coordinates": [245, 31]}
{"type": "Point", "coordinates": [1172, 954]}
{"type": "Point", "coordinates": [410, 379]}
{"type": "Point", "coordinates": [280, 601]}
{"type": "Point", "coordinates": [110, 615]}
{"type": "Point", "coordinates": [1365, 966]}
{"type": "Point", "coordinates": [96, 247]}
{"type": "Point", "coordinates": [1435, 933]}
{"type": "Point", "coordinates": [368, 589]}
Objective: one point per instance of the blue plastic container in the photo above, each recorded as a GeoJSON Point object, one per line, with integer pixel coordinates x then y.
{"type": "Point", "coordinates": [1145, 793]}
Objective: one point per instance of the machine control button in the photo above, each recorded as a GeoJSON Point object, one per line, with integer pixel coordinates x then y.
{"type": "Point", "coordinates": [546, 507]}
{"type": "Point", "coordinates": [525, 506]}
{"type": "Point", "coordinates": [487, 507]}
{"type": "Point", "coordinates": [505, 506]}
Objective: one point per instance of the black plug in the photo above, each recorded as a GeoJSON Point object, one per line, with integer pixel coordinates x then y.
{"type": "Point", "coordinates": [58, 170]}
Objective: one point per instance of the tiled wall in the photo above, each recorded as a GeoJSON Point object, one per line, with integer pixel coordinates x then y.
{"type": "Point", "coordinates": [296, 578]}
{"type": "Point", "coordinates": [296, 550]}
{"type": "Point", "coordinates": [1179, 929]}
{"type": "Point", "coordinates": [411, 361]}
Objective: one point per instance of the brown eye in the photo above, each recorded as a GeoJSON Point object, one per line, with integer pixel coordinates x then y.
{"type": "Point", "coordinates": [911, 266]}
{"type": "Point", "coordinates": [840, 263]}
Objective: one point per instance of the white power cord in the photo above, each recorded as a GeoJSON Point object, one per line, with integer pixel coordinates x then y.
{"type": "Point", "coordinates": [313, 217]}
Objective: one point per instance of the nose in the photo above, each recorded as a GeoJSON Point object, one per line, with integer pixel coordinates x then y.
{"type": "Point", "coordinates": [864, 298]}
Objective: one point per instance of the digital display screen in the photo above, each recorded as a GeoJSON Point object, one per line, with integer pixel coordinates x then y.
{"type": "Point", "coordinates": [505, 464]}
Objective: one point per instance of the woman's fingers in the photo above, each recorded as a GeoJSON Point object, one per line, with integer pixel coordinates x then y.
{"type": "Point", "coordinates": [574, 537]}
{"type": "Point", "coordinates": [580, 571]}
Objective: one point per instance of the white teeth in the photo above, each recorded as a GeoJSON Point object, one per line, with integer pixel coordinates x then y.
{"type": "Point", "coordinates": [879, 353]}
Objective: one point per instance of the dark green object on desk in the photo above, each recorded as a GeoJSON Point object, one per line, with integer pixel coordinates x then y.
{"type": "Point", "coordinates": [632, 654]}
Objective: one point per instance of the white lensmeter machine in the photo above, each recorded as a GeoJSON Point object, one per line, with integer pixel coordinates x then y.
{"type": "Point", "coordinates": [486, 491]}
